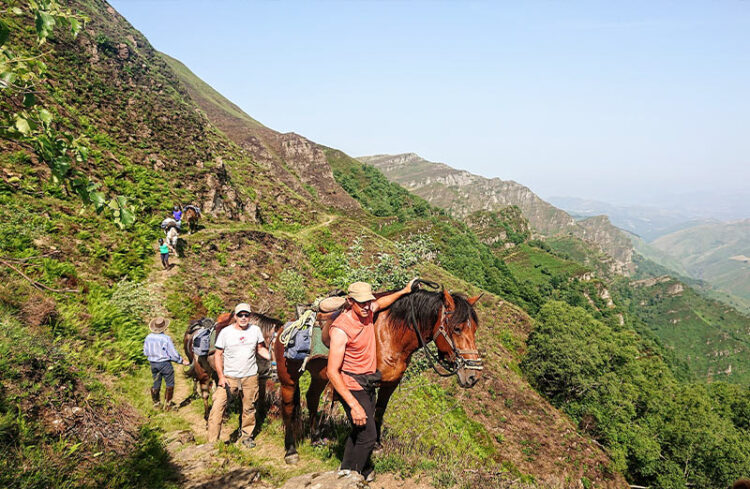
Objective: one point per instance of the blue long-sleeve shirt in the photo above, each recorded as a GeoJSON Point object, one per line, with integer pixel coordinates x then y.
{"type": "Point", "coordinates": [158, 347]}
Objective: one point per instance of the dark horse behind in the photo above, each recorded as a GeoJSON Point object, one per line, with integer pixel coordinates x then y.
{"type": "Point", "coordinates": [202, 369]}
{"type": "Point", "coordinates": [413, 320]}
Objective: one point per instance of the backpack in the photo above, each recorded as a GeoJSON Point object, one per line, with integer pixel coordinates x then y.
{"type": "Point", "coordinates": [298, 347]}
{"type": "Point", "coordinates": [203, 337]}
{"type": "Point", "coordinates": [296, 337]}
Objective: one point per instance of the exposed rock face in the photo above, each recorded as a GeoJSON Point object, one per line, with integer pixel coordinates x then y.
{"type": "Point", "coordinates": [462, 193]}
{"type": "Point", "coordinates": [295, 160]}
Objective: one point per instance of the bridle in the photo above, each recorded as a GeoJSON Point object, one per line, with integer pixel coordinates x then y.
{"type": "Point", "coordinates": [457, 360]}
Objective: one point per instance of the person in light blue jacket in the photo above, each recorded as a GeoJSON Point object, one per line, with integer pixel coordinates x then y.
{"type": "Point", "coordinates": [160, 352]}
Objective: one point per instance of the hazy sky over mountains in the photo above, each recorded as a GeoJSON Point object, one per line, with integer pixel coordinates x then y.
{"type": "Point", "coordinates": [617, 101]}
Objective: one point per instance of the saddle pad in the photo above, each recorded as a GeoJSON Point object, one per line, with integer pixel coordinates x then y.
{"type": "Point", "coordinates": [317, 348]}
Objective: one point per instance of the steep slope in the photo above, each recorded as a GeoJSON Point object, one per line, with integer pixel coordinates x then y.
{"type": "Point", "coordinates": [711, 338]}
{"type": "Point", "coordinates": [462, 193]}
{"type": "Point", "coordinates": [295, 159]}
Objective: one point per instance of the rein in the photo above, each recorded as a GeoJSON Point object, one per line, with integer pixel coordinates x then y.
{"type": "Point", "coordinates": [457, 358]}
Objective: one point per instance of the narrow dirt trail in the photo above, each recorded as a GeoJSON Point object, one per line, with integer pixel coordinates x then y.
{"type": "Point", "coordinates": [203, 465]}
{"type": "Point", "coordinates": [199, 464]}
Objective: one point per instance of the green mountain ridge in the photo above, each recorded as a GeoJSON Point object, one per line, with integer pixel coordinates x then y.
{"type": "Point", "coordinates": [462, 193]}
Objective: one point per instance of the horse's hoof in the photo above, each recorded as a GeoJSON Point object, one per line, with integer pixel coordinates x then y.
{"type": "Point", "coordinates": [378, 450]}
{"type": "Point", "coordinates": [292, 459]}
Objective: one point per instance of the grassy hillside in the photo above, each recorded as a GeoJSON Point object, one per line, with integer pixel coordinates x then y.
{"type": "Point", "coordinates": [710, 337]}
{"type": "Point", "coordinates": [715, 252]}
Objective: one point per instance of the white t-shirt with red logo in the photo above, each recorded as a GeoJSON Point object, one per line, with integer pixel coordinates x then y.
{"type": "Point", "coordinates": [239, 347]}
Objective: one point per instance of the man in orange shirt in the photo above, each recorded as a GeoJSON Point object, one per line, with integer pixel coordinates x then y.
{"type": "Point", "coordinates": [352, 370]}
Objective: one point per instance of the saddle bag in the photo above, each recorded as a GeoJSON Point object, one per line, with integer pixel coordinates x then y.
{"type": "Point", "coordinates": [203, 337]}
{"type": "Point", "coordinates": [298, 347]}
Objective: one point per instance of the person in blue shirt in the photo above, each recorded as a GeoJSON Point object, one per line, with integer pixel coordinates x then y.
{"type": "Point", "coordinates": [177, 215]}
{"type": "Point", "coordinates": [164, 251]}
{"type": "Point", "coordinates": [160, 352]}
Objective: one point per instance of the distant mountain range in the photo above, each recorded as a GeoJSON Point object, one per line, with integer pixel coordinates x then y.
{"type": "Point", "coordinates": [716, 252]}
{"type": "Point", "coordinates": [709, 250]}
{"type": "Point", "coordinates": [647, 222]}
{"type": "Point", "coordinates": [462, 193]}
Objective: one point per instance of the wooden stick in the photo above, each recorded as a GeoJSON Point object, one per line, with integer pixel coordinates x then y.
{"type": "Point", "coordinates": [38, 285]}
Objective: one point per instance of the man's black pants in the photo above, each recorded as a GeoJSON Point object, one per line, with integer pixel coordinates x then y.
{"type": "Point", "coordinates": [362, 439]}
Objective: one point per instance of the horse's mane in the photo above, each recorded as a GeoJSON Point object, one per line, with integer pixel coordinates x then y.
{"type": "Point", "coordinates": [266, 324]}
{"type": "Point", "coordinates": [426, 306]}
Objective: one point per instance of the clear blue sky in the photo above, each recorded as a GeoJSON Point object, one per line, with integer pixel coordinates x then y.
{"type": "Point", "coordinates": [618, 101]}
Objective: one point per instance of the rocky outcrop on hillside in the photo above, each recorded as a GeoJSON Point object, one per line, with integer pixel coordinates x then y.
{"type": "Point", "coordinates": [294, 159]}
{"type": "Point", "coordinates": [462, 193]}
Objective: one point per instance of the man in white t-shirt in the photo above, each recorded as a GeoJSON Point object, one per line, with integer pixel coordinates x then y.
{"type": "Point", "coordinates": [236, 347]}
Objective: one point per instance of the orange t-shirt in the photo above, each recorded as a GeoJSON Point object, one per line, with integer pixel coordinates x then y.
{"type": "Point", "coordinates": [360, 356]}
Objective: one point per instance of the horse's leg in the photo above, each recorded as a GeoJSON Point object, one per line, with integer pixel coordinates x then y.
{"type": "Point", "coordinates": [287, 413]}
{"type": "Point", "coordinates": [384, 395]}
{"type": "Point", "coordinates": [317, 384]}
{"type": "Point", "coordinates": [205, 393]}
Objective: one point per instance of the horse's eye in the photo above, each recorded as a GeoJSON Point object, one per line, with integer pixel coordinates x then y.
{"type": "Point", "coordinates": [457, 330]}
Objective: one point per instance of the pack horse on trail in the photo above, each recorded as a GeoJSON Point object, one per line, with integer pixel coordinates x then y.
{"type": "Point", "coordinates": [408, 324]}
{"type": "Point", "coordinates": [191, 215]}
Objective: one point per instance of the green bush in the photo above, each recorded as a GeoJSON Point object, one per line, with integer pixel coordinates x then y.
{"type": "Point", "coordinates": [293, 286]}
{"type": "Point", "coordinates": [659, 432]}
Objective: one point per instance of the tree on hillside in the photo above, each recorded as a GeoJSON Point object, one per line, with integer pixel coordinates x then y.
{"type": "Point", "coordinates": [658, 431]}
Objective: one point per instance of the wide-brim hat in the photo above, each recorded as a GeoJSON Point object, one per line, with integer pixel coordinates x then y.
{"type": "Point", "coordinates": [361, 292]}
{"type": "Point", "coordinates": [158, 325]}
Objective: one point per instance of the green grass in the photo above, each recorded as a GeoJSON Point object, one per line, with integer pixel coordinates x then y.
{"type": "Point", "coordinates": [540, 267]}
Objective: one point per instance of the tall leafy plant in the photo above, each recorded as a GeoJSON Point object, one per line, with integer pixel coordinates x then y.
{"type": "Point", "coordinates": [23, 74]}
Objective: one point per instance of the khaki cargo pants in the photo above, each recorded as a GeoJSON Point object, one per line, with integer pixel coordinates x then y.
{"type": "Point", "coordinates": [249, 388]}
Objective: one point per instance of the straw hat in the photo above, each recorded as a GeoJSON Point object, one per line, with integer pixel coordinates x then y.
{"type": "Point", "coordinates": [158, 325]}
{"type": "Point", "coordinates": [361, 292]}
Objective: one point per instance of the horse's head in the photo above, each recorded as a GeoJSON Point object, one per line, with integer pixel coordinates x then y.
{"type": "Point", "coordinates": [456, 337]}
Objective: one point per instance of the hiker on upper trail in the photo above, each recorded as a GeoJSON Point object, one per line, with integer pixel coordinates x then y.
{"type": "Point", "coordinates": [160, 351]}
{"type": "Point", "coordinates": [164, 252]}
{"type": "Point", "coordinates": [237, 369]}
{"type": "Point", "coordinates": [352, 370]}
{"type": "Point", "coordinates": [177, 215]}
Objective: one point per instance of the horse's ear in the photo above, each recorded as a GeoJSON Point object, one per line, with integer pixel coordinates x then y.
{"type": "Point", "coordinates": [473, 300]}
{"type": "Point", "coordinates": [448, 301]}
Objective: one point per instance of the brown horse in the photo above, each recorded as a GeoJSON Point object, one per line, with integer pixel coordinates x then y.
{"type": "Point", "coordinates": [203, 368]}
{"type": "Point", "coordinates": [191, 216]}
{"type": "Point", "coordinates": [422, 316]}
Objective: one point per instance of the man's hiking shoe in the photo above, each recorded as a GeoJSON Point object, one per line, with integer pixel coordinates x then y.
{"type": "Point", "coordinates": [248, 442]}
{"type": "Point", "coordinates": [343, 473]}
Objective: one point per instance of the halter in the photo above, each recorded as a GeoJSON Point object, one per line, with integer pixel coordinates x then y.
{"type": "Point", "coordinates": [457, 359]}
